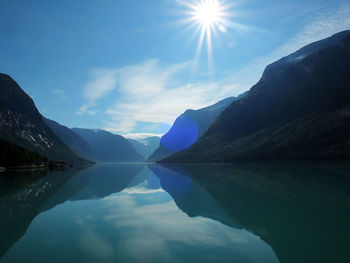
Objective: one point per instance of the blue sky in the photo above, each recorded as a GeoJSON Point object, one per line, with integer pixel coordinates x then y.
{"type": "Point", "coordinates": [130, 66]}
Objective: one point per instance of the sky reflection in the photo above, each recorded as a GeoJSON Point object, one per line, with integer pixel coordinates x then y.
{"type": "Point", "coordinates": [138, 224]}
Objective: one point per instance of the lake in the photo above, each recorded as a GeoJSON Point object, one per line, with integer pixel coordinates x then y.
{"type": "Point", "coordinates": [244, 212]}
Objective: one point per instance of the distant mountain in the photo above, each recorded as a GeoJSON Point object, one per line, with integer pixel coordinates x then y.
{"type": "Point", "coordinates": [108, 147]}
{"type": "Point", "coordinates": [21, 124]}
{"type": "Point", "coordinates": [298, 110]}
{"type": "Point", "coordinates": [146, 146]}
{"type": "Point", "coordinates": [73, 140]}
{"type": "Point", "coordinates": [188, 127]}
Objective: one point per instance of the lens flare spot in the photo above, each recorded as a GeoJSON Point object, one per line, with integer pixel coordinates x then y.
{"type": "Point", "coordinates": [182, 135]}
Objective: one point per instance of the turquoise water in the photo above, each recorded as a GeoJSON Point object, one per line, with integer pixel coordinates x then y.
{"type": "Point", "coordinates": [195, 213]}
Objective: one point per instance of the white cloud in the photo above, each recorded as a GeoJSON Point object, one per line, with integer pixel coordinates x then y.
{"type": "Point", "coordinates": [102, 81]}
{"type": "Point", "coordinates": [141, 190]}
{"type": "Point", "coordinates": [86, 109]}
{"type": "Point", "coordinates": [320, 26]}
{"type": "Point", "coordinates": [141, 136]}
{"type": "Point", "coordinates": [149, 92]}
{"type": "Point", "coordinates": [153, 92]}
{"type": "Point", "coordinates": [60, 93]}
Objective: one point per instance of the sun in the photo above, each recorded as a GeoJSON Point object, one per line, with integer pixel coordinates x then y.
{"type": "Point", "coordinates": [208, 18]}
{"type": "Point", "coordinates": [207, 12]}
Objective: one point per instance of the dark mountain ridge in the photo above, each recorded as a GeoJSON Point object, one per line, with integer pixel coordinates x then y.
{"type": "Point", "coordinates": [317, 83]}
{"type": "Point", "coordinates": [21, 124]}
{"type": "Point", "coordinates": [188, 127]}
{"type": "Point", "coordinates": [73, 140]}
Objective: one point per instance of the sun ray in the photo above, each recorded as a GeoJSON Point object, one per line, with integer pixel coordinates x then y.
{"type": "Point", "coordinates": [209, 50]}
{"type": "Point", "coordinates": [211, 17]}
{"type": "Point", "coordinates": [200, 43]}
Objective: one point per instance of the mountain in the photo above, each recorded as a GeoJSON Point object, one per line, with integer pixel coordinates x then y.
{"type": "Point", "coordinates": [298, 110]}
{"type": "Point", "coordinates": [21, 124]}
{"type": "Point", "coordinates": [146, 146]}
{"type": "Point", "coordinates": [12, 155]}
{"type": "Point", "coordinates": [73, 140]}
{"type": "Point", "coordinates": [108, 147]}
{"type": "Point", "coordinates": [188, 127]}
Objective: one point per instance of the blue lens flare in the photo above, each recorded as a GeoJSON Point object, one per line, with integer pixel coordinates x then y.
{"type": "Point", "coordinates": [181, 136]}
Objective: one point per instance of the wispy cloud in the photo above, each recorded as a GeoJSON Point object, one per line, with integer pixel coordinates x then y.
{"type": "Point", "coordinates": [60, 93]}
{"type": "Point", "coordinates": [102, 81]}
{"type": "Point", "coordinates": [141, 136]}
{"type": "Point", "coordinates": [86, 108]}
{"type": "Point", "coordinates": [158, 93]}
{"type": "Point", "coordinates": [142, 190]}
{"type": "Point", "coordinates": [150, 92]}
{"type": "Point", "coordinates": [319, 26]}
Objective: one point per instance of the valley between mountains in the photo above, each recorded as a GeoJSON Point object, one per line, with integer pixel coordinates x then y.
{"type": "Point", "coordinates": [298, 110]}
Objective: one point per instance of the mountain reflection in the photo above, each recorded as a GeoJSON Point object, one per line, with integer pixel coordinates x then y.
{"type": "Point", "coordinates": [189, 196]}
{"type": "Point", "coordinates": [184, 213]}
{"type": "Point", "coordinates": [25, 194]}
{"type": "Point", "coordinates": [301, 210]}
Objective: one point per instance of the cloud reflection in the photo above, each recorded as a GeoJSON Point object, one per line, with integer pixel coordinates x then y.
{"type": "Point", "coordinates": [141, 223]}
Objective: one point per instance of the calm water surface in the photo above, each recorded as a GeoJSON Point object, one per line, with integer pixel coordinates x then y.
{"type": "Point", "coordinates": [196, 213]}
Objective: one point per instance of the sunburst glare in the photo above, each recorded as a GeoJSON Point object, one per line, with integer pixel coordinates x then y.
{"type": "Point", "coordinates": [208, 17]}
{"type": "Point", "coordinates": [207, 13]}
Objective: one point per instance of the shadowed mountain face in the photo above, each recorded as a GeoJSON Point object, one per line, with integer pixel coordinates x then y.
{"type": "Point", "coordinates": [188, 127]}
{"type": "Point", "coordinates": [109, 147]}
{"type": "Point", "coordinates": [21, 124]}
{"type": "Point", "coordinates": [73, 140]}
{"type": "Point", "coordinates": [12, 155]}
{"type": "Point", "coordinates": [146, 146]}
{"type": "Point", "coordinates": [301, 210]}
{"type": "Point", "coordinates": [296, 108]}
